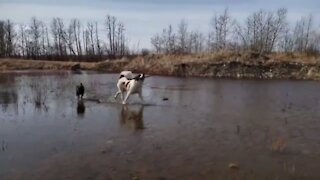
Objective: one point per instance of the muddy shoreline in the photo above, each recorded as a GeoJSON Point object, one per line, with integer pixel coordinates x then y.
{"type": "Point", "coordinates": [153, 65]}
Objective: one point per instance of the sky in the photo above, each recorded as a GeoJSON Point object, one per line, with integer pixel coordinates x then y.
{"type": "Point", "coordinates": [144, 18]}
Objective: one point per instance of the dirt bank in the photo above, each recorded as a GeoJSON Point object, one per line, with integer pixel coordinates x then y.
{"type": "Point", "coordinates": [234, 69]}
{"type": "Point", "coordinates": [229, 65]}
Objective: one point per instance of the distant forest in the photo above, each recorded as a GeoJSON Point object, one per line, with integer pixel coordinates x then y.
{"type": "Point", "coordinates": [263, 32]}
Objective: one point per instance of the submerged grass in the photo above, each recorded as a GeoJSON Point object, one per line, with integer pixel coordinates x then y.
{"type": "Point", "coordinates": [279, 145]}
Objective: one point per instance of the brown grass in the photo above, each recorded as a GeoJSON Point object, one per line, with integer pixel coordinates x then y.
{"type": "Point", "coordinates": [295, 57]}
{"type": "Point", "coordinates": [18, 64]}
{"type": "Point", "coordinates": [197, 64]}
{"type": "Point", "coordinates": [160, 62]}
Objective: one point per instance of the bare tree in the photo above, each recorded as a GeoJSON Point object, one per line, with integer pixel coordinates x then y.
{"type": "Point", "coordinates": [286, 42]}
{"type": "Point", "coordinates": [314, 43]}
{"type": "Point", "coordinates": [75, 25]}
{"type": "Point", "coordinates": [35, 34]}
{"type": "Point", "coordinates": [278, 27]}
{"type": "Point", "coordinates": [7, 39]}
{"type": "Point", "coordinates": [90, 29]}
{"type": "Point", "coordinates": [302, 34]}
{"type": "Point", "coordinates": [116, 37]}
{"type": "Point", "coordinates": [60, 38]}
{"type": "Point", "coordinates": [71, 39]}
{"type": "Point", "coordinates": [170, 39]}
{"type": "Point", "coordinates": [97, 39]}
{"type": "Point", "coordinates": [195, 40]}
{"type": "Point", "coordinates": [22, 38]}
{"type": "Point", "coordinates": [2, 39]}
{"type": "Point", "coordinates": [156, 42]}
{"type": "Point", "coordinates": [120, 39]}
{"type": "Point", "coordinates": [45, 40]}
{"type": "Point", "coordinates": [86, 41]}
{"type": "Point", "coordinates": [110, 23]}
{"type": "Point", "coordinates": [55, 36]}
{"type": "Point", "coordinates": [220, 26]}
{"type": "Point", "coordinates": [262, 30]}
{"type": "Point", "coordinates": [182, 35]}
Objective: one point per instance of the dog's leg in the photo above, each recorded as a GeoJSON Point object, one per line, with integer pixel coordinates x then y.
{"type": "Point", "coordinates": [116, 95]}
{"type": "Point", "coordinates": [121, 96]}
{"type": "Point", "coordinates": [127, 96]}
{"type": "Point", "coordinates": [141, 97]}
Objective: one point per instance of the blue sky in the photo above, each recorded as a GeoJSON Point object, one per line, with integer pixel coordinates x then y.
{"type": "Point", "coordinates": [143, 18]}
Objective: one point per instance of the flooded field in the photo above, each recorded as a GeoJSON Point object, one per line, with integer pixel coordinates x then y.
{"type": "Point", "coordinates": [205, 129]}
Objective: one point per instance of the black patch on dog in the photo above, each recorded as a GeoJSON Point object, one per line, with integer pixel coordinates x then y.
{"type": "Point", "coordinates": [139, 77]}
{"type": "Point", "coordinates": [127, 83]}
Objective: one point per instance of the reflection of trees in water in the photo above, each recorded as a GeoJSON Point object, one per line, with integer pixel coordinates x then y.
{"type": "Point", "coordinates": [132, 117]}
{"type": "Point", "coordinates": [7, 98]}
{"type": "Point", "coordinates": [39, 89]}
{"type": "Point", "coordinates": [47, 91]}
{"type": "Point", "coordinates": [8, 93]}
{"type": "Point", "coordinates": [36, 91]}
{"type": "Point", "coordinates": [7, 79]}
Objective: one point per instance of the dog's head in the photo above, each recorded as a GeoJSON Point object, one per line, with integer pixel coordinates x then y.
{"type": "Point", "coordinates": [126, 74]}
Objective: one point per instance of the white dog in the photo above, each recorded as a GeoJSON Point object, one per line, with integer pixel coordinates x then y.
{"type": "Point", "coordinates": [131, 85]}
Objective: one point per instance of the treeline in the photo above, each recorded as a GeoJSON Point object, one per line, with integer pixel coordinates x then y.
{"type": "Point", "coordinates": [60, 41]}
{"type": "Point", "coordinates": [262, 32]}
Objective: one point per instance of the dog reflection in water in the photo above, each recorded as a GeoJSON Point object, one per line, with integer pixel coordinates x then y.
{"type": "Point", "coordinates": [80, 107]}
{"type": "Point", "coordinates": [132, 117]}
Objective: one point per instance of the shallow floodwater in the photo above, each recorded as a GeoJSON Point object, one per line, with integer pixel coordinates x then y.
{"type": "Point", "coordinates": [261, 129]}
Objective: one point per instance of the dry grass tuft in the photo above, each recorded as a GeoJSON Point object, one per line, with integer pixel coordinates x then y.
{"type": "Point", "coordinates": [295, 57]}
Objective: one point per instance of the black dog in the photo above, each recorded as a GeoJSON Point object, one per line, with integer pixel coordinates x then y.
{"type": "Point", "coordinates": [80, 90]}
